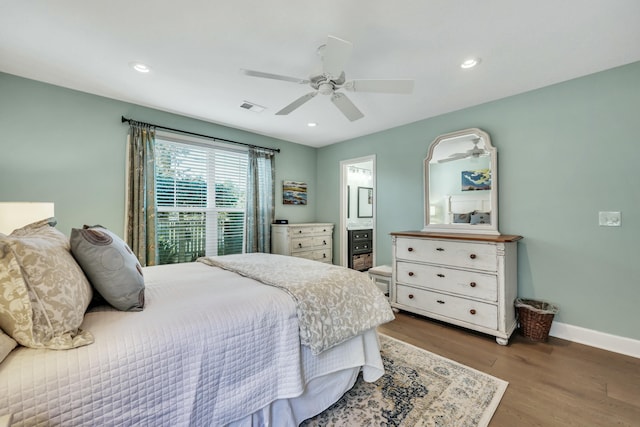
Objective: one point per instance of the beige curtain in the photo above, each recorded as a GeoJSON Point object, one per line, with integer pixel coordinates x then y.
{"type": "Point", "coordinates": [260, 200]}
{"type": "Point", "coordinates": [140, 219]}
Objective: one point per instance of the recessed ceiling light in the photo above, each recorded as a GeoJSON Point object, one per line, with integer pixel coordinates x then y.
{"type": "Point", "coordinates": [470, 63]}
{"type": "Point", "coordinates": [140, 67]}
{"type": "Point", "coordinates": [312, 124]}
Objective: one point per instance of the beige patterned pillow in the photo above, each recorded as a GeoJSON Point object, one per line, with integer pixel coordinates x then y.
{"type": "Point", "coordinates": [6, 345]}
{"type": "Point", "coordinates": [44, 292]}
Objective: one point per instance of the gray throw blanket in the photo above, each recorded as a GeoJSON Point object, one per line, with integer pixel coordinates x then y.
{"type": "Point", "coordinates": [333, 303]}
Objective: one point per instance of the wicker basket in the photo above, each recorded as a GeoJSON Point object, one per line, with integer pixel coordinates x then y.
{"type": "Point", "coordinates": [535, 318]}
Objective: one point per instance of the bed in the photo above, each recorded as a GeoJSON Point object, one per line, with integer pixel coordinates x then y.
{"type": "Point", "coordinates": [212, 346]}
{"type": "Point", "coordinates": [460, 208]}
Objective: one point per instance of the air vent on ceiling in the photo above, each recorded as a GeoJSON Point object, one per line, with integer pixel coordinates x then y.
{"type": "Point", "coordinates": [252, 107]}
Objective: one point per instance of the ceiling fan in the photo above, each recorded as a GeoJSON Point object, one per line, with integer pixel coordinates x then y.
{"type": "Point", "coordinates": [473, 152]}
{"type": "Point", "coordinates": [331, 78]}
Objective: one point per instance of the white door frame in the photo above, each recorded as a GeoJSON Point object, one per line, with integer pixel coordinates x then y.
{"type": "Point", "coordinates": [344, 165]}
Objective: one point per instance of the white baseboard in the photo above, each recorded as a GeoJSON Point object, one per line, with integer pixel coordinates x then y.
{"type": "Point", "coordinates": [592, 338]}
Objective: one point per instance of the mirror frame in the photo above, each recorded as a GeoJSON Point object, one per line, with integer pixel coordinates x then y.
{"type": "Point", "coordinates": [464, 228]}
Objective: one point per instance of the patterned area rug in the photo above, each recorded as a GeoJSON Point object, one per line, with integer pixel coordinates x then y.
{"type": "Point", "coordinates": [418, 388]}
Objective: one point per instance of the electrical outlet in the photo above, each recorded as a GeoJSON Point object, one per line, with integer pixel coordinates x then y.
{"type": "Point", "coordinates": [610, 219]}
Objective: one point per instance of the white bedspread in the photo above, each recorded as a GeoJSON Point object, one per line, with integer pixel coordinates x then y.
{"type": "Point", "coordinates": [333, 303]}
{"type": "Point", "coordinates": [194, 357]}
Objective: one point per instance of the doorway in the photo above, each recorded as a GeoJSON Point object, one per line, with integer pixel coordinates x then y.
{"type": "Point", "coordinates": [357, 201]}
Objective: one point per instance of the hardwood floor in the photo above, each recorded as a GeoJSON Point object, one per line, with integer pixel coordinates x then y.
{"type": "Point", "coordinates": [558, 383]}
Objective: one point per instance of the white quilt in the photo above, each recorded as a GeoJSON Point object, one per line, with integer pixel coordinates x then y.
{"type": "Point", "coordinates": [209, 351]}
{"type": "Point", "coordinates": [333, 303]}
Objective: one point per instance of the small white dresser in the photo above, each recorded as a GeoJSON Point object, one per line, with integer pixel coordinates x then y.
{"type": "Point", "coordinates": [469, 280]}
{"type": "Point", "coordinates": [309, 240]}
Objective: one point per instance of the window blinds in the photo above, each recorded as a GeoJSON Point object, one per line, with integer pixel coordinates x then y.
{"type": "Point", "coordinates": [200, 198]}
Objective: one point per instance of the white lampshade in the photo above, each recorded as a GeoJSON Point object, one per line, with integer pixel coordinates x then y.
{"type": "Point", "coordinates": [14, 215]}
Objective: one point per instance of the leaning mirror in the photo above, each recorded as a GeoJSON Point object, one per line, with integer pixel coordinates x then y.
{"type": "Point", "coordinates": [461, 184]}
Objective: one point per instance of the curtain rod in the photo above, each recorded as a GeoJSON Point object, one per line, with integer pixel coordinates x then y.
{"type": "Point", "coordinates": [125, 120]}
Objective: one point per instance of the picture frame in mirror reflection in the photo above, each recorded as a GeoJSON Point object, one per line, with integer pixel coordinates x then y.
{"type": "Point", "coordinates": [474, 180]}
{"type": "Point", "coordinates": [365, 202]}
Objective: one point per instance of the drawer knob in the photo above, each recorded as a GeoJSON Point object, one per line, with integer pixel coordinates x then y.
{"type": "Point", "coordinates": [410, 296]}
{"type": "Point", "coordinates": [410, 249]}
{"type": "Point", "coordinates": [411, 273]}
{"type": "Point", "coordinates": [324, 255]}
{"type": "Point", "coordinates": [440, 249]}
{"type": "Point", "coordinates": [440, 275]}
{"type": "Point", "coordinates": [324, 242]}
{"type": "Point", "coordinates": [472, 311]}
{"type": "Point", "coordinates": [472, 284]}
{"type": "Point", "coordinates": [299, 245]}
{"type": "Point", "coordinates": [440, 301]}
{"type": "Point", "coordinates": [300, 231]}
{"type": "Point", "coordinates": [472, 256]}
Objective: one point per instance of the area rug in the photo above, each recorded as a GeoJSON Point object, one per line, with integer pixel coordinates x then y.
{"type": "Point", "coordinates": [418, 388]}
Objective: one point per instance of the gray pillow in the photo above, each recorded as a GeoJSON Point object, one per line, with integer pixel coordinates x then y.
{"type": "Point", "coordinates": [112, 268]}
{"type": "Point", "coordinates": [480, 218]}
{"type": "Point", "coordinates": [461, 218]}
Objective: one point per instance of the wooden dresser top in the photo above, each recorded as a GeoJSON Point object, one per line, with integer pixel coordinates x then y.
{"type": "Point", "coordinates": [498, 238]}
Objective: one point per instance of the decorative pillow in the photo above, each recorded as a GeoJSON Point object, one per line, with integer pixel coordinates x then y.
{"type": "Point", "coordinates": [45, 293]}
{"type": "Point", "coordinates": [6, 345]}
{"type": "Point", "coordinates": [480, 218]}
{"type": "Point", "coordinates": [112, 268]}
{"type": "Point", "coordinates": [461, 218]}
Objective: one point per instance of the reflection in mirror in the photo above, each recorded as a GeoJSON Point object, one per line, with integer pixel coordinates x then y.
{"type": "Point", "coordinates": [461, 184]}
{"type": "Point", "coordinates": [365, 202]}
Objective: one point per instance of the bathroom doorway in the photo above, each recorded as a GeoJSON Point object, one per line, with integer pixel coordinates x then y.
{"type": "Point", "coordinates": [357, 209]}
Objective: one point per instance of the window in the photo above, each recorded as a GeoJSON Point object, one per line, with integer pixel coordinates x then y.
{"type": "Point", "coordinates": [200, 198]}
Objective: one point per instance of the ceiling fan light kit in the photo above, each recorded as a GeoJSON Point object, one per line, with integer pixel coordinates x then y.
{"type": "Point", "coordinates": [334, 54]}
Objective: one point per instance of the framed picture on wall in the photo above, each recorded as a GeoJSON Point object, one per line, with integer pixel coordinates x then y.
{"type": "Point", "coordinates": [294, 193]}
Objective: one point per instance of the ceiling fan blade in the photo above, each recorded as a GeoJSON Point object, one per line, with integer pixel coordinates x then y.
{"type": "Point", "coordinates": [254, 73]}
{"type": "Point", "coordinates": [295, 104]}
{"type": "Point", "coordinates": [335, 55]}
{"type": "Point", "coordinates": [380, 86]}
{"type": "Point", "coordinates": [454, 157]}
{"type": "Point", "coordinates": [347, 107]}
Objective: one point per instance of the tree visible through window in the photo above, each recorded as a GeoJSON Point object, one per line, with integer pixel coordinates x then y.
{"type": "Point", "coordinates": [201, 199]}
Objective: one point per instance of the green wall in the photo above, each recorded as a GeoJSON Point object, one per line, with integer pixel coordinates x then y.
{"type": "Point", "coordinates": [68, 147]}
{"type": "Point", "coordinates": [565, 152]}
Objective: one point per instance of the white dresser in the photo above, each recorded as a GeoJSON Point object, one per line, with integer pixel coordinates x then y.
{"type": "Point", "coordinates": [469, 280]}
{"type": "Point", "coordinates": [309, 240]}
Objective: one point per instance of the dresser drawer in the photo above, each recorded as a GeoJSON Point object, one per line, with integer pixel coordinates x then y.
{"type": "Point", "coordinates": [465, 283]}
{"type": "Point", "coordinates": [323, 255]}
{"type": "Point", "coordinates": [305, 243]}
{"type": "Point", "coordinates": [361, 246]}
{"type": "Point", "coordinates": [308, 231]}
{"type": "Point", "coordinates": [473, 312]}
{"type": "Point", "coordinates": [479, 256]}
{"type": "Point", "coordinates": [360, 234]}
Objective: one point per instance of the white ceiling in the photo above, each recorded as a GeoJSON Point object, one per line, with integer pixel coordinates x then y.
{"type": "Point", "coordinates": [197, 47]}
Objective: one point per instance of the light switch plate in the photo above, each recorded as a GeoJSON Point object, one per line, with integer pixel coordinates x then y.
{"type": "Point", "coordinates": [609, 219]}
